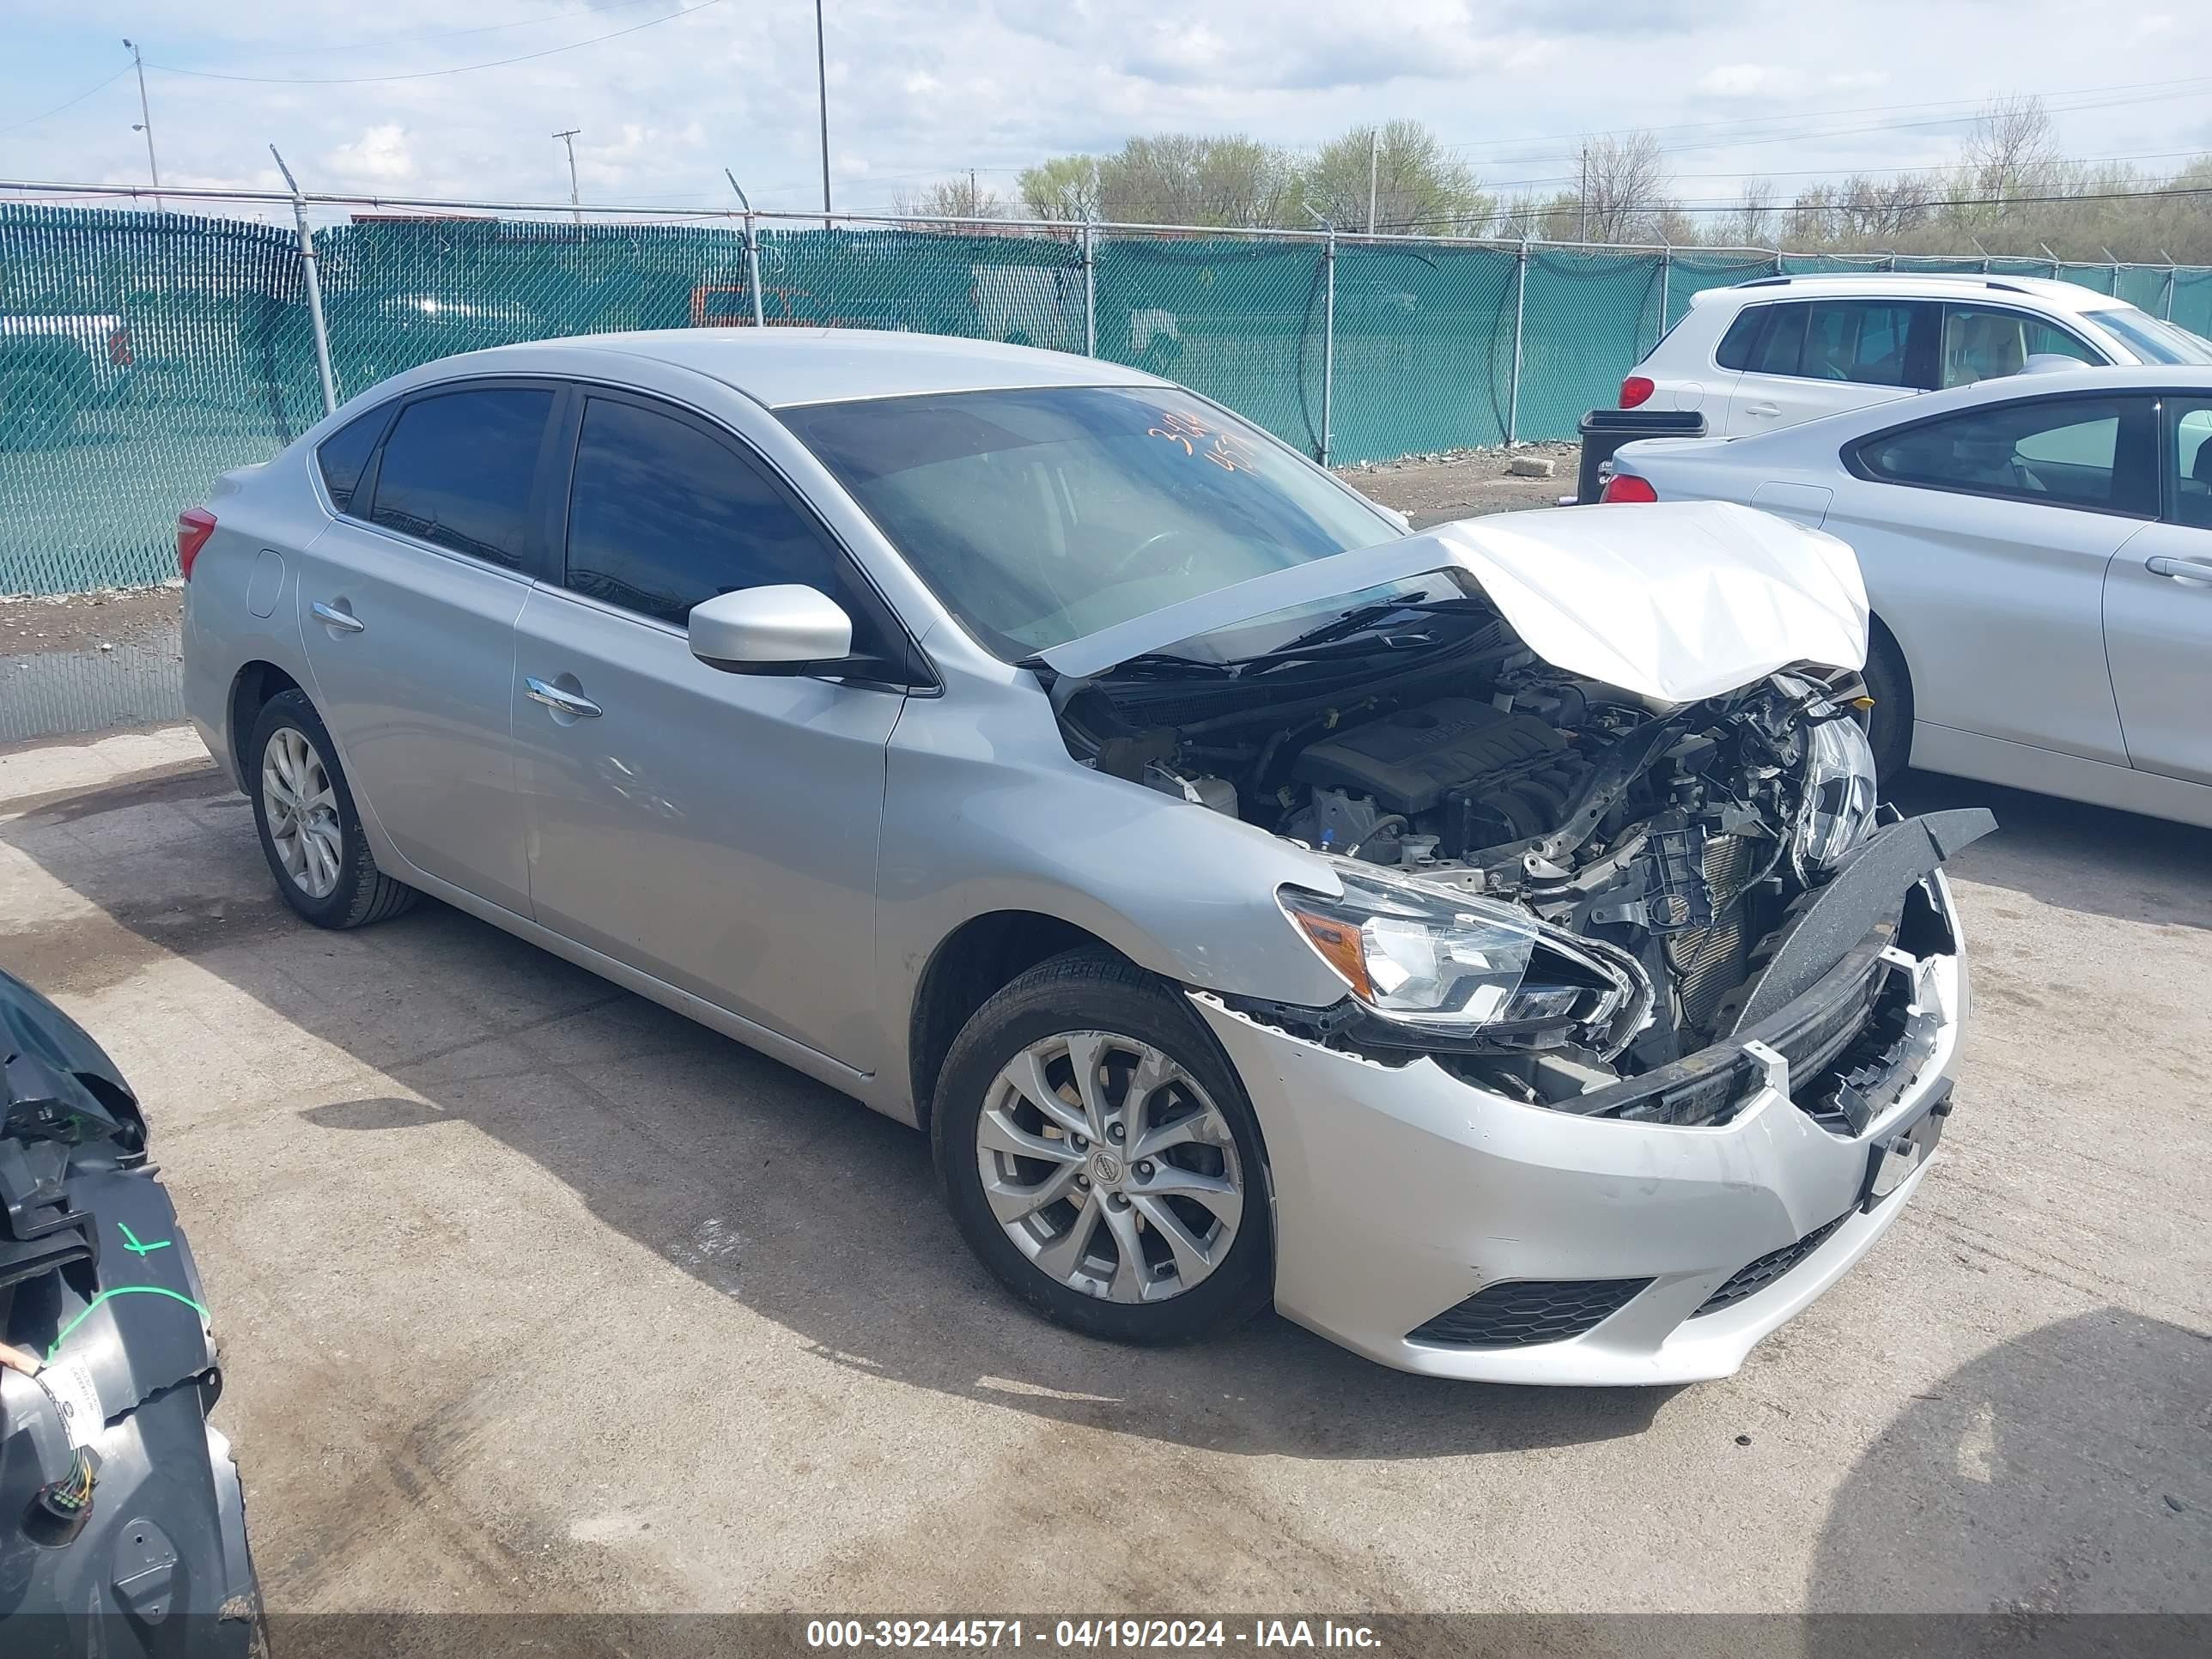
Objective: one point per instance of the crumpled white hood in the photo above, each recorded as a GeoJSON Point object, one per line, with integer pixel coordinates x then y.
{"type": "Point", "coordinates": [1673, 600]}
{"type": "Point", "coordinates": [1677, 600]}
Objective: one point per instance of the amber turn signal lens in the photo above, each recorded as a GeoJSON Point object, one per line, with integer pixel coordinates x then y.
{"type": "Point", "coordinates": [1339, 946]}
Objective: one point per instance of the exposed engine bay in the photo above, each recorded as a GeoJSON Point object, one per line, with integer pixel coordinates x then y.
{"type": "Point", "coordinates": [1551, 881]}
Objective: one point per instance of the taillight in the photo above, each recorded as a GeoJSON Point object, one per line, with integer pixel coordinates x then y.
{"type": "Point", "coordinates": [119, 347]}
{"type": "Point", "coordinates": [1636, 390]}
{"type": "Point", "coordinates": [194, 525]}
{"type": "Point", "coordinates": [1628, 486]}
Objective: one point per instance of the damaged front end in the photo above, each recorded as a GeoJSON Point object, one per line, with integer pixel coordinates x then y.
{"type": "Point", "coordinates": [1557, 885]}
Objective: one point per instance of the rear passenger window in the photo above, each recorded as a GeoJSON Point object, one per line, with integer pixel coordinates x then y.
{"type": "Point", "coordinates": [2051, 452]}
{"type": "Point", "coordinates": [344, 454]}
{"type": "Point", "coordinates": [1859, 340]}
{"type": "Point", "coordinates": [1865, 341]}
{"type": "Point", "coordinates": [1736, 346]}
{"type": "Point", "coordinates": [457, 471]}
{"type": "Point", "coordinates": [663, 514]}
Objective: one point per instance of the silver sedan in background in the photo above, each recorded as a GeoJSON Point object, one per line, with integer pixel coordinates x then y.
{"type": "Point", "coordinates": [2038, 552]}
{"type": "Point", "coordinates": [1486, 946]}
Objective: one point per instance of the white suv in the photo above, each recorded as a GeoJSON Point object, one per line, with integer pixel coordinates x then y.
{"type": "Point", "coordinates": [1780, 350]}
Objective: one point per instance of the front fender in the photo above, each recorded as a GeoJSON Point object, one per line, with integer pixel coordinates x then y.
{"type": "Point", "coordinates": [985, 811]}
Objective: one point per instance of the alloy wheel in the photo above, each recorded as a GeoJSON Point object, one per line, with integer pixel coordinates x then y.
{"type": "Point", "coordinates": [1110, 1167]}
{"type": "Point", "coordinates": [302, 808]}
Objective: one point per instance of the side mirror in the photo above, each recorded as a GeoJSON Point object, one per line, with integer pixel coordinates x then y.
{"type": "Point", "coordinates": [786, 629]}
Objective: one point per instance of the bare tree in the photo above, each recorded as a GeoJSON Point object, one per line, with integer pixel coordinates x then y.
{"type": "Point", "coordinates": [1753, 226]}
{"type": "Point", "coordinates": [1620, 187]}
{"type": "Point", "coordinates": [2012, 151]}
{"type": "Point", "coordinates": [957, 197]}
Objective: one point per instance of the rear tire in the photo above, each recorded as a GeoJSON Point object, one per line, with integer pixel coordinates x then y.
{"type": "Point", "coordinates": [1162, 1232]}
{"type": "Point", "coordinates": [1889, 722]}
{"type": "Point", "coordinates": [310, 832]}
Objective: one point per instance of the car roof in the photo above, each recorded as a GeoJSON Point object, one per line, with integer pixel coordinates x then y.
{"type": "Point", "coordinates": [1922, 285]}
{"type": "Point", "coordinates": [782, 367]}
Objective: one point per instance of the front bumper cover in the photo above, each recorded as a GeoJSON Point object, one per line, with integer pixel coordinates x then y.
{"type": "Point", "coordinates": [1399, 1191]}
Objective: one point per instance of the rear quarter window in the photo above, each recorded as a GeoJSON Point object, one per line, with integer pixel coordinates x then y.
{"type": "Point", "coordinates": [343, 456]}
{"type": "Point", "coordinates": [1737, 345]}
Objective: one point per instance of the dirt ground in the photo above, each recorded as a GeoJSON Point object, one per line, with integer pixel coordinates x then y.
{"type": "Point", "coordinates": [85, 621]}
{"type": "Point", "coordinates": [1465, 483]}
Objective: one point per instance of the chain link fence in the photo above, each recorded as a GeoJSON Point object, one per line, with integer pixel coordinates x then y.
{"type": "Point", "coordinates": [142, 353]}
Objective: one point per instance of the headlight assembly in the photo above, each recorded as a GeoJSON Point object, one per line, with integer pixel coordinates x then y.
{"type": "Point", "coordinates": [1438, 968]}
{"type": "Point", "coordinates": [1838, 813]}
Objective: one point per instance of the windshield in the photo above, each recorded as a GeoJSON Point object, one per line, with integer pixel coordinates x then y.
{"type": "Point", "coordinates": [2150, 339]}
{"type": "Point", "coordinates": [1042, 514]}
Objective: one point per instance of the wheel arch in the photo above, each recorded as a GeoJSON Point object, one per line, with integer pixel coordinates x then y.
{"type": "Point", "coordinates": [250, 690]}
{"type": "Point", "coordinates": [970, 966]}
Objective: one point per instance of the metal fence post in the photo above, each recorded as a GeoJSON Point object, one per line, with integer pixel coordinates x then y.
{"type": "Point", "coordinates": [314, 288]}
{"type": "Point", "coordinates": [2165, 300]}
{"type": "Point", "coordinates": [1666, 266]}
{"type": "Point", "coordinates": [752, 249]}
{"type": "Point", "coordinates": [752, 269]}
{"type": "Point", "coordinates": [1777, 262]}
{"type": "Point", "coordinates": [1520, 308]}
{"type": "Point", "coordinates": [1328, 340]}
{"type": "Point", "coordinates": [1090, 290]}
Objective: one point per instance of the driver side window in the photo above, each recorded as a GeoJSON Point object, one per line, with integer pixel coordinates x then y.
{"type": "Point", "coordinates": [663, 514]}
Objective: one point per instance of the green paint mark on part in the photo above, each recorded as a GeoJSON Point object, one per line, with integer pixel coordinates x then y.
{"type": "Point", "coordinates": [123, 1290]}
{"type": "Point", "coordinates": [130, 1242]}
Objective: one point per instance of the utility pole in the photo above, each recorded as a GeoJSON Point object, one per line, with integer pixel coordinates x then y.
{"type": "Point", "coordinates": [975, 208]}
{"type": "Point", "coordinates": [146, 125]}
{"type": "Point", "coordinates": [821, 87]}
{"type": "Point", "coordinates": [1374, 136]}
{"type": "Point", "coordinates": [575, 200]}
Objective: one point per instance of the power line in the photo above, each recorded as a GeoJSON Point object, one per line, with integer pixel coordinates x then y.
{"type": "Point", "coordinates": [1862, 109]}
{"type": "Point", "coordinates": [1861, 172]}
{"type": "Point", "coordinates": [1806, 135]}
{"type": "Point", "coordinates": [425, 75]}
{"type": "Point", "coordinates": [1899, 207]}
{"type": "Point", "coordinates": [32, 120]}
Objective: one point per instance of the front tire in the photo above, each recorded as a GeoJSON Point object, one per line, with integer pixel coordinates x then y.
{"type": "Point", "coordinates": [310, 832]}
{"type": "Point", "coordinates": [1101, 1158]}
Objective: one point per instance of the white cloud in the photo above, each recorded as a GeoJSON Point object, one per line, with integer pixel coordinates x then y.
{"type": "Point", "coordinates": [381, 155]}
{"type": "Point", "coordinates": [924, 89]}
{"type": "Point", "coordinates": [1748, 81]}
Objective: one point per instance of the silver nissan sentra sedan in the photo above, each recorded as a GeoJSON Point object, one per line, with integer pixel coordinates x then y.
{"type": "Point", "coordinates": [1485, 945]}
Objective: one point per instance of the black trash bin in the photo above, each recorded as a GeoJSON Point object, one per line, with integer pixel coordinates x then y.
{"type": "Point", "coordinates": [1604, 430]}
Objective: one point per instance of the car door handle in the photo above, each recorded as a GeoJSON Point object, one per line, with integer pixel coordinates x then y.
{"type": "Point", "coordinates": [561, 702]}
{"type": "Point", "coordinates": [345, 620]}
{"type": "Point", "coordinates": [1762, 409]}
{"type": "Point", "coordinates": [2182, 570]}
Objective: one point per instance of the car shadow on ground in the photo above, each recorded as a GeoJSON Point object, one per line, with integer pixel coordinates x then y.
{"type": "Point", "coordinates": [757, 1182]}
{"type": "Point", "coordinates": [2062, 1473]}
{"type": "Point", "coordinates": [2062, 852]}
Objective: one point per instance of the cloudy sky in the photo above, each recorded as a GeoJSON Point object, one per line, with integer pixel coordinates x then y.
{"type": "Point", "coordinates": [382, 97]}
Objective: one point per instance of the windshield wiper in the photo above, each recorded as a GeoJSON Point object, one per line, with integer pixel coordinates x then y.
{"type": "Point", "coordinates": [1358, 620]}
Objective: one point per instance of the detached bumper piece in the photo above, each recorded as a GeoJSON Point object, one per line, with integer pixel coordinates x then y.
{"type": "Point", "coordinates": [122, 1523]}
{"type": "Point", "coordinates": [1520, 1313]}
